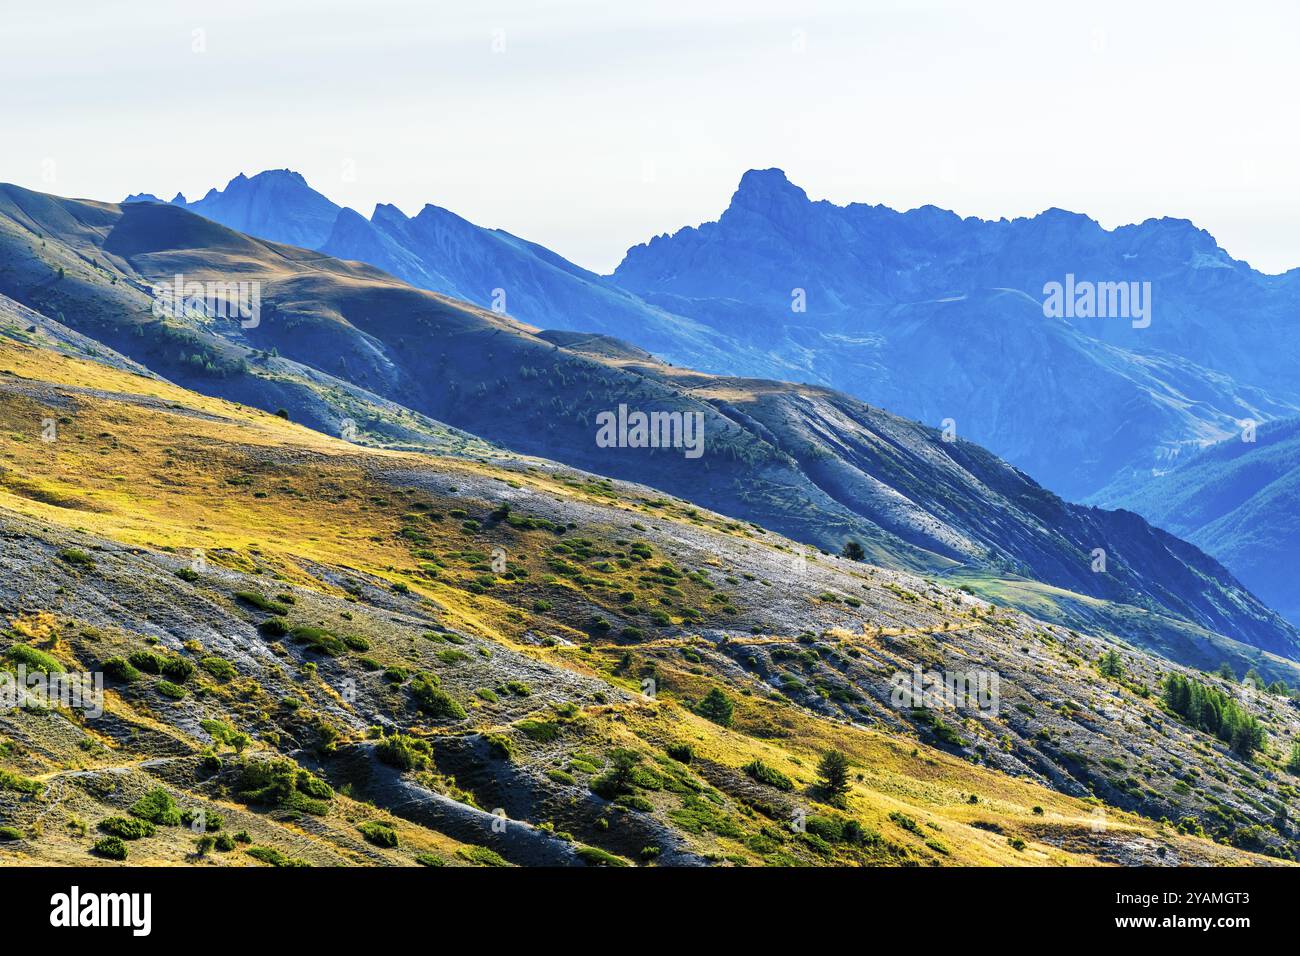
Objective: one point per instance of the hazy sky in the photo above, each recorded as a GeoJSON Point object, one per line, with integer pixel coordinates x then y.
{"type": "Point", "coordinates": [589, 127]}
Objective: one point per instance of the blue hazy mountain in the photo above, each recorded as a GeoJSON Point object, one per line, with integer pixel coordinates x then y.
{"type": "Point", "coordinates": [1239, 501]}
{"type": "Point", "coordinates": [442, 252]}
{"type": "Point", "coordinates": [277, 205]}
{"type": "Point", "coordinates": [937, 316]}
{"type": "Point", "coordinates": [923, 312]}
{"type": "Point", "coordinates": [438, 250]}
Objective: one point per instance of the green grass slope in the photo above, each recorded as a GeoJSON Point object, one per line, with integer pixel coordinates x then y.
{"type": "Point", "coordinates": [321, 654]}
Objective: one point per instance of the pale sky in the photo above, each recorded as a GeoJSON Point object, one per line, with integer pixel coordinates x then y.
{"type": "Point", "coordinates": [600, 124]}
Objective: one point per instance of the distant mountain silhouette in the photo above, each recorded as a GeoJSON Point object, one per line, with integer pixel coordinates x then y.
{"type": "Point", "coordinates": [1240, 501]}
{"type": "Point", "coordinates": [276, 205]}
{"type": "Point", "coordinates": [911, 310]}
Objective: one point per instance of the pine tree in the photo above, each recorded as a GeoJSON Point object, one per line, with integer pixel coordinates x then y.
{"type": "Point", "coordinates": [717, 707]}
{"type": "Point", "coordinates": [623, 767]}
{"type": "Point", "coordinates": [1293, 762]}
{"type": "Point", "coordinates": [834, 772]}
{"type": "Point", "coordinates": [1111, 665]}
{"type": "Point", "coordinates": [1211, 710]}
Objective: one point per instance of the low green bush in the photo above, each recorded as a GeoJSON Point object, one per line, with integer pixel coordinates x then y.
{"type": "Point", "coordinates": [179, 669]}
{"type": "Point", "coordinates": [482, 856]}
{"type": "Point", "coordinates": [281, 783]}
{"type": "Point", "coordinates": [273, 857]}
{"type": "Point", "coordinates": [223, 733]}
{"type": "Point", "coordinates": [403, 752]}
{"type": "Point", "coordinates": [119, 668]}
{"type": "Point", "coordinates": [433, 700]}
{"type": "Point", "coordinates": [380, 834]}
{"type": "Point", "coordinates": [128, 828]}
{"type": "Point", "coordinates": [595, 856]}
{"type": "Point", "coordinates": [542, 731]}
{"type": "Point", "coordinates": [769, 775]}
{"type": "Point", "coordinates": [35, 660]}
{"type": "Point", "coordinates": [262, 603]}
{"type": "Point", "coordinates": [906, 822]}
{"type": "Point", "coordinates": [111, 848]}
{"type": "Point", "coordinates": [210, 821]}
{"type": "Point", "coordinates": [219, 667]}
{"type": "Point", "coordinates": [318, 639]}
{"type": "Point", "coordinates": [147, 661]}
{"type": "Point", "coordinates": [157, 806]}
{"type": "Point", "coordinates": [18, 783]}
{"type": "Point", "coordinates": [168, 689]}
{"type": "Point", "coordinates": [634, 801]}
{"type": "Point", "coordinates": [828, 828]}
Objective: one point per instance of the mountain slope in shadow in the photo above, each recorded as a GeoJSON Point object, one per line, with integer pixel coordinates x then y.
{"type": "Point", "coordinates": [1240, 501]}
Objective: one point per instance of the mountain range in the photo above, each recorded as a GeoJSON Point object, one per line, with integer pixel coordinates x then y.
{"type": "Point", "coordinates": [941, 317]}
{"type": "Point", "coordinates": [926, 313]}
{"type": "Point", "coordinates": [440, 251]}
{"type": "Point", "coordinates": [342, 343]}
{"type": "Point", "coordinates": [931, 315]}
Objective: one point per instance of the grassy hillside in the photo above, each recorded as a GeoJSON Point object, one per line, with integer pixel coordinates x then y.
{"type": "Point", "coordinates": [362, 656]}
{"type": "Point", "coordinates": [341, 343]}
